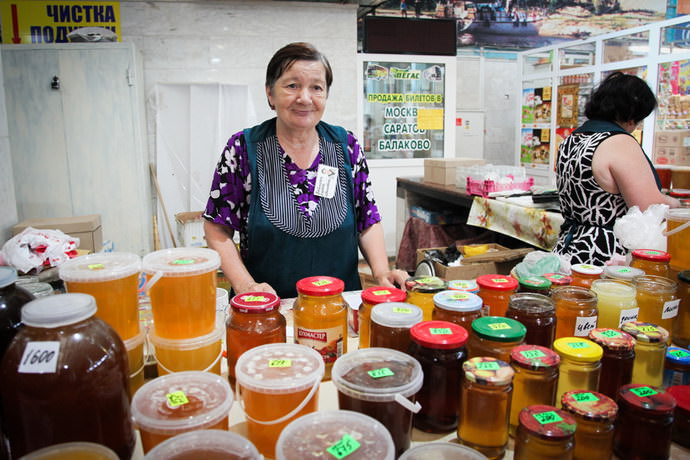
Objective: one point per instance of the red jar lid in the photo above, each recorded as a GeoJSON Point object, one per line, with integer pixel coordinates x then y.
{"type": "Point", "coordinates": [652, 254]}
{"type": "Point", "coordinates": [646, 397]}
{"type": "Point", "coordinates": [682, 395]}
{"type": "Point", "coordinates": [380, 294]}
{"type": "Point", "coordinates": [497, 282]}
{"type": "Point", "coordinates": [547, 422]}
{"type": "Point", "coordinates": [320, 286]}
{"type": "Point", "coordinates": [558, 279]}
{"type": "Point", "coordinates": [613, 339]}
{"type": "Point", "coordinates": [441, 335]}
{"type": "Point", "coordinates": [534, 357]}
{"type": "Point", "coordinates": [589, 404]}
{"type": "Point", "coordinates": [255, 302]}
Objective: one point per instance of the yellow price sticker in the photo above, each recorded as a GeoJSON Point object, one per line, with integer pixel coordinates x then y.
{"type": "Point", "coordinates": [176, 399]}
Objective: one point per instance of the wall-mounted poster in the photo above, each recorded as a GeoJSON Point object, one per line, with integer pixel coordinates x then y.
{"type": "Point", "coordinates": [528, 105]}
{"type": "Point", "coordinates": [567, 111]}
{"type": "Point", "coordinates": [542, 105]}
{"type": "Point", "coordinates": [535, 146]}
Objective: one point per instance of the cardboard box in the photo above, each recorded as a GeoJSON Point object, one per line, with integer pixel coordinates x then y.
{"type": "Point", "coordinates": [500, 261]}
{"type": "Point", "coordinates": [190, 229]}
{"type": "Point", "coordinates": [86, 228]}
{"type": "Point", "coordinates": [443, 171]}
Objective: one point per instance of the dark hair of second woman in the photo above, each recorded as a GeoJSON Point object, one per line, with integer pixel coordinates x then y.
{"type": "Point", "coordinates": [287, 55]}
{"type": "Point", "coordinates": [621, 98]}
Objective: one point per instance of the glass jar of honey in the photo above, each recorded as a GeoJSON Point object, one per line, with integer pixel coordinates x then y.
{"type": "Point", "coordinates": [657, 300]}
{"type": "Point", "coordinates": [485, 405]}
{"type": "Point", "coordinates": [650, 352]}
{"type": "Point", "coordinates": [621, 272]}
{"type": "Point", "coordinates": [536, 377]}
{"type": "Point", "coordinates": [676, 367]}
{"type": "Point", "coordinates": [254, 320]}
{"type": "Point", "coordinates": [576, 311]}
{"type": "Point", "coordinates": [652, 262]}
{"type": "Point", "coordinates": [645, 422]}
{"type": "Point", "coordinates": [558, 279]}
{"type": "Point", "coordinates": [595, 414]}
{"type": "Point", "coordinates": [537, 313]}
{"type": "Point", "coordinates": [495, 291]}
{"type": "Point", "coordinates": [544, 433]}
{"type": "Point", "coordinates": [617, 361]}
{"type": "Point", "coordinates": [458, 307]}
{"type": "Point", "coordinates": [534, 285]}
{"type": "Point", "coordinates": [464, 285]}
{"type": "Point", "coordinates": [439, 346]}
{"type": "Point", "coordinates": [681, 422]}
{"type": "Point", "coordinates": [681, 327]}
{"type": "Point", "coordinates": [495, 336]}
{"type": "Point", "coordinates": [616, 302]}
{"type": "Point", "coordinates": [421, 291]}
{"type": "Point", "coordinates": [320, 317]}
{"type": "Point", "coordinates": [580, 364]}
{"type": "Point", "coordinates": [391, 323]}
{"type": "Point", "coordinates": [584, 274]}
{"type": "Point", "coordinates": [370, 297]}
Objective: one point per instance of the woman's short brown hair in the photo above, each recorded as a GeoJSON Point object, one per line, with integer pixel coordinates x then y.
{"type": "Point", "coordinates": [283, 59]}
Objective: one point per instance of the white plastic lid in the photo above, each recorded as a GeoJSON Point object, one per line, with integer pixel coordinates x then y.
{"type": "Point", "coordinates": [457, 301]}
{"type": "Point", "coordinates": [158, 406]}
{"type": "Point", "coordinates": [73, 450]}
{"type": "Point", "coordinates": [8, 275]}
{"type": "Point", "coordinates": [587, 269]}
{"type": "Point", "coordinates": [58, 310]}
{"type": "Point", "coordinates": [193, 343]}
{"type": "Point", "coordinates": [278, 368]}
{"type": "Point", "coordinates": [442, 451]}
{"type": "Point", "coordinates": [200, 442]}
{"type": "Point", "coordinates": [181, 261]}
{"type": "Point", "coordinates": [350, 374]}
{"type": "Point", "coordinates": [396, 314]}
{"type": "Point", "coordinates": [310, 436]}
{"type": "Point", "coordinates": [103, 266]}
{"type": "Point", "coordinates": [622, 272]}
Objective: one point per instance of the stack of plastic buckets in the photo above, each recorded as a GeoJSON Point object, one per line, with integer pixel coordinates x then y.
{"type": "Point", "coordinates": [112, 279]}
{"type": "Point", "coordinates": [182, 289]}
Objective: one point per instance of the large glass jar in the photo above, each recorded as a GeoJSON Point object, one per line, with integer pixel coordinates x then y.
{"type": "Point", "coordinates": [421, 291]}
{"type": "Point", "coordinates": [681, 327]}
{"type": "Point", "coordinates": [644, 425]}
{"type": "Point", "coordinates": [254, 320]}
{"type": "Point", "coordinates": [621, 272]}
{"type": "Point", "coordinates": [537, 313]}
{"type": "Point", "coordinates": [616, 302]}
{"type": "Point", "coordinates": [617, 361]}
{"type": "Point", "coordinates": [544, 433]}
{"type": "Point", "coordinates": [652, 262]}
{"type": "Point", "coordinates": [584, 274]}
{"type": "Point", "coordinates": [534, 285]}
{"type": "Point", "coordinates": [495, 336]}
{"type": "Point", "coordinates": [485, 405]}
{"type": "Point", "coordinates": [391, 323]}
{"type": "Point", "coordinates": [657, 300]}
{"type": "Point", "coordinates": [536, 378]}
{"type": "Point", "coordinates": [595, 414]}
{"type": "Point", "coordinates": [370, 297]}
{"type": "Point", "coordinates": [650, 352]}
{"type": "Point", "coordinates": [457, 307]}
{"type": "Point", "coordinates": [439, 346]}
{"type": "Point", "coordinates": [12, 299]}
{"type": "Point", "coordinates": [576, 311]}
{"type": "Point", "coordinates": [495, 291]}
{"type": "Point", "coordinates": [580, 364]}
{"type": "Point", "coordinates": [320, 317]}
{"type": "Point", "coordinates": [676, 367]}
{"type": "Point", "coordinates": [681, 422]}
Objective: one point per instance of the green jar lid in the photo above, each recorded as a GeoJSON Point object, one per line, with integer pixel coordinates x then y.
{"type": "Point", "coordinates": [499, 329]}
{"type": "Point", "coordinates": [535, 282]}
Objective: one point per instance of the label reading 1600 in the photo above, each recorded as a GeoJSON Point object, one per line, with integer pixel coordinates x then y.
{"type": "Point", "coordinates": [39, 358]}
{"type": "Point", "coordinates": [344, 447]}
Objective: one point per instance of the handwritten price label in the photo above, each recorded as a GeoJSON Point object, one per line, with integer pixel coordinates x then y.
{"type": "Point", "coordinates": [460, 296]}
{"type": "Point", "coordinates": [647, 329]}
{"type": "Point", "coordinates": [96, 266]}
{"type": "Point", "coordinates": [39, 358]}
{"type": "Point", "coordinates": [378, 373]}
{"type": "Point", "coordinates": [440, 331]}
{"type": "Point", "coordinates": [384, 292]}
{"type": "Point", "coordinates": [280, 363]}
{"type": "Point", "coordinates": [322, 282]}
{"type": "Point", "coordinates": [183, 261]}
{"type": "Point", "coordinates": [402, 310]}
{"type": "Point", "coordinates": [344, 447]}
{"type": "Point", "coordinates": [176, 399]}
{"type": "Point", "coordinates": [578, 345]}
{"type": "Point", "coordinates": [547, 417]}
{"type": "Point", "coordinates": [611, 334]}
{"type": "Point", "coordinates": [679, 353]}
{"type": "Point", "coordinates": [643, 392]}
{"type": "Point", "coordinates": [585, 397]}
{"type": "Point", "coordinates": [499, 280]}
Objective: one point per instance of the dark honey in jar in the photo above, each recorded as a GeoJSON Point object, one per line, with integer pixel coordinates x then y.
{"type": "Point", "coordinates": [537, 312]}
{"type": "Point", "coordinates": [617, 360]}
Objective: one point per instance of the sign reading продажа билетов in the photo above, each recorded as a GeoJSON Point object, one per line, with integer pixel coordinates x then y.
{"type": "Point", "coordinates": [34, 22]}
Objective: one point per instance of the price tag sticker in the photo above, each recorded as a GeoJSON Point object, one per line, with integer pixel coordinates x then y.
{"type": "Point", "coordinates": [39, 358]}
{"type": "Point", "coordinates": [499, 280]}
{"type": "Point", "coordinates": [533, 354]}
{"type": "Point", "coordinates": [643, 392]}
{"type": "Point", "coordinates": [378, 373]}
{"type": "Point", "coordinates": [557, 277]}
{"type": "Point", "coordinates": [459, 296]}
{"type": "Point", "coordinates": [344, 447]}
{"type": "Point", "coordinates": [383, 292]}
{"type": "Point", "coordinates": [679, 353]}
{"type": "Point", "coordinates": [488, 366]}
{"type": "Point", "coordinates": [176, 399]}
{"type": "Point", "coordinates": [279, 363]}
{"type": "Point", "coordinates": [402, 310]}
{"type": "Point", "coordinates": [440, 331]}
{"type": "Point", "coordinates": [425, 280]}
{"type": "Point", "coordinates": [255, 298]}
{"type": "Point", "coordinates": [611, 334]}
{"type": "Point", "coordinates": [647, 329]}
{"type": "Point", "coordinates": [183, 261]}
{"type": "Point", "coordinates": [96, 266]}
{"type": "Point", "coordinates": [587, 267]}
{"type": "Point", "coordinates": [578, 345]}
{"type": "Point", "coordinates": [624, 270]}
{"type": "Point", "coordinates": [321, 282]}
{"type": "Point", "coordinates": [499, 326]}
{"type": "Point", "coordinates": [547, 417]}
{"type": "Point", "coordinates": [585, 397]}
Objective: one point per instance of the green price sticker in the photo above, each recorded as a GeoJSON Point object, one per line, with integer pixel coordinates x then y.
{"type": "Point", "coordinates": [344, 447]}
{"type": "Point", "coordinates": [651, 253]}
{"type": "Point", "coordinates": [177, 398]}
{"type": "Point", "coordinates": [96, 266]}
{"type": "Point", "coordinates": [578, 345]}
{"type": "Point", "coordinates": [624, 270]}
{"type": "Point", "coordinates": [322, 282]}
{"type": "Point", "coordinates": [611, 334]}
{"type": "Point", "coordinates": [587, 267]}
{"type": "Point", "coordinates": [440, 331]}
{"type": "Point", "coordinates": [255, 298]}
{"type": "Point", "coordinates": [647, 329]}
{"type": "Point", "coordinates": [557, 277]}
{"type": "Point", "coordinates": [488, 366]}
{"type": "Point", "coordinates": [183, 261]}
{"type": "Point", "coordinates": [499, 280]}
{"type": "Point", "coordinates": [425, 280]}
{"type": "Point", "coordinates": [533, 354]}
{"type": "Point", "coordinates": [499, 326]}
{"type": "Point", "coordinates": [280, 363]}
{"type": "Point", "coordinates": [459, 296]}
{"type": "Point", "coordinates": [585, 397]}
{"type": "Point", "coordinates": [402, 310]}
{"type": "Point", "coordinates": [643, 392]}
{"type": "Point", "coordinates": [679, 353]}
{"type": "Point", "coordinates": [378, 373]}
{"type": "Point", "coordinates": [547, 417]}
{"type": "Point", "coordinates": [384, 292]}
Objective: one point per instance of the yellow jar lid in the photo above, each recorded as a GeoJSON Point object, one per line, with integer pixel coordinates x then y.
{"type": "Point", "coordinates": [578, 349]}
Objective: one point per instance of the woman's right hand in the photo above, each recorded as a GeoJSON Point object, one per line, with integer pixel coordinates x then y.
{"type": "Point", "coordinates": [254, 287]}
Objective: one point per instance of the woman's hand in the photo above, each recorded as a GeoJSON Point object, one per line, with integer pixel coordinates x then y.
{"type": "Point", "coordinates": [253, 286]}
{"type": "Point", "coordinates": [393, 278]}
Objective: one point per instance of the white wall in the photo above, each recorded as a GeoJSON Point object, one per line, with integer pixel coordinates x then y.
{"type": "Point", "coordinates": [8, 202]}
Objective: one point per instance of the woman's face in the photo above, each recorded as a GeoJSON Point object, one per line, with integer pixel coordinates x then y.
{"type": "Point", "coordinates": [299, 95]}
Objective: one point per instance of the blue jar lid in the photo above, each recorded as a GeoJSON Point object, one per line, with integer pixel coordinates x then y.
{"type": "Point", "coordinates": [457, 301]}
{"type": "Point", "coordinates": [678, 355]}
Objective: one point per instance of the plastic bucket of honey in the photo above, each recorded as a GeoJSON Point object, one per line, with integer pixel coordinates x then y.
{"type": "Point", "coordinates": [277, 383]}
{"type": "Point", "coordinates": [111, 278]}
{"type": "Point", "coordinates": [182, 288]}
{"type": "Point", "coordinates": [72, 451]}
{"type": "Point", "coordinates": [205, 444]}
{"type": "Point", "coordinates": [678, 234]}
{"type": "Point", "coordinates": [196, 354]}
{"type": "Point", "coordinates": [135, 355]}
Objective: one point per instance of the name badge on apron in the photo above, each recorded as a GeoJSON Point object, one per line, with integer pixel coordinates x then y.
{"type": "Point", "coordinates": [326, 181]}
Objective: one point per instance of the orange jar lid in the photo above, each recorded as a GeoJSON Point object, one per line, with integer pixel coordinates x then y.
{"type": "Point", "coordinates": [497, 282]}
{"type": "Point", "coordinates": [652, 255]}
{"type": "Point", "coordinates": [320, 286]}
{"type": "Point", "coordinates": [380, 294]}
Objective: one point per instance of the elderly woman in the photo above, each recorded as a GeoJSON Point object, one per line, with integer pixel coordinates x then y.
{"type": "Point", "coordinates": [602, 170]}
{"type": "Point", "coordinates": [296, 189]}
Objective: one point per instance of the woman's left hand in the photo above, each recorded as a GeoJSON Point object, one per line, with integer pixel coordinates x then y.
{"type": "Point", "coordinates": [393, 278]}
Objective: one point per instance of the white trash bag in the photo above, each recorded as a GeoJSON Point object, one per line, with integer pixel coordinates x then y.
{"type": "Point", "coordinates": [642, 230]}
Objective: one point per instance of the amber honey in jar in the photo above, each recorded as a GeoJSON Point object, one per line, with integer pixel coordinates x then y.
{"type": "Point", "coordinates": [645, 422]}
{"type": "Point", "coordinates": [439, 346]}
{"type": "Point", "coordinates": [534, 285]}
{"type": "Point", "coordinates": [495, 291]}
{"type": "Point", "coordinates": [616, 301]}
{"type": "Point", "coordinates": [320, 317]}
{"type": "Point", "coordinates": [681, 327]}
{"type": "Point", "coordinates": [537, 313]}
{"type": "Point", "coordinates": [464, 285]}
{"type": "Point", "coordinates": [621, 272]}
{"type": "Point", "coordinates": [652, 262]}
{"type": "Point", "coordinates": [558, 279]}
{"type": "Point", "coordinates": [421, 291]}
{"type": "Point", "coordinates": [681, 422]}
{"type": "Point", "coordinates": [650, 352]}
{"type": "Point", "coordinates": [370, 297]}
{"type": "Point", "coordinates": [657, 300]}
{"type": "Point", "coordinates": [485, 405]}
{"type": "Point", "coordinates": [580, 364]}
{"type": "Point", "coordinates": [584, 274]}
{"type": "Point", "coordinates": [536, 378]}
{"type": "Point", "coordinates": [458, 307]}
{"type": "Point", "coordinates": [254, 320]}
{"type": "Point", "coordinates": [676, 367]}
{"type": "Point", "coordinates": [617, 361]}
{"type": "Point", "coordinates": [544, 433]}
{"type": "Point", "coordinates": [595, 414]}
{"type": "Point", "coordinates": [495, 336]}
{"type": "Point", "coordinates": [576, 311]}
{"type": "Point", "coordinates": [391, 323]}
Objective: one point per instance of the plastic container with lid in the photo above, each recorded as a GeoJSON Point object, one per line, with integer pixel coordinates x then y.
{"type": "Point", "coordinates": [576, 311]}
{"type": "Point", "coordinates": [544, 433]}
{"type": "Point", "coordinates": [335, 434]}
{"type": "Point", "coordinates": [485, 405]}
{"type": "Point", "coordinates": [677, 367]}
{"type": "Point", "coordinates": [537, 313]}
{"type": "Point", "coordinates": [621, 272]}
{"type": "Point", "coordinates": [72, 451]}
{"type": "Point", "coordinates": [495, 291]}
{"type": "Point", "coordinates": [206, 445]}
{"type": "Point", "coordinates": [38, 289]}
{"type": "Point", "coordinates": [495, 336]}
{"type": "Point", "coordinates": [650, 352]}
{"type": "Point", "coordinates": [677, 237]}
{"type": "Point", "coordinates": [616, 302]}
{"type": "Point", "coordinates": [421, 291]}
{"type": "Point", "coordinates": [12, 299]}
{"type": "Point", "coordinates": [644, 425]}
{"type": "Point", "coordinates": [112, 278]}
{"type": "Point", "coordinates": [254, 319]}
{"type": "Point", "coordinates": [536, 378]}
{"type": "Point", "coordinates": [595, 414]}
{"type": "Point", "coordinates": [177, 403]}
{"type": "Point", "coordinates": [584, 274]}
{"type": "Point", "coordinates": [320, 317]}
{"type": "Point", "coordinates": [52, 376]}
{"type": "Point", "coordinates": [558, 279]}
{"type": "Point", "coordinates": [442, 451]}
{"type": "Point", "coordinates": [439, 346]}
{"type": "Point", "coordinates": [459, 307]}
{"type": "Point", "coordinates": [580, 364]}
{"type": "Point", "coordinates": [391, 323]}
{"type": "Point", "coordinates": [382, 384]}
{"type": "Point", "coordinates": [194, 354]}
{"type": "Point", "coordinates": [652, 261]}
{"type": "Point", "coordinates": [182, 288]}
{"type": "Point", "coordinates": [370, 297]}
{"type": "Point", "coordinates": [617, 361]}
{"type": "Point", "coordinates": [657, 300]}
{"type": "Point", "coordinates": [681, 327]}
{"type": "Point", "coordinates": [136, 360]}
{"type": "Point", "coordinates": [681, 422]}
{"type": "Point", "coordinates": [464, 285]}
{"type": "Point", "coordinates": [535, 285]}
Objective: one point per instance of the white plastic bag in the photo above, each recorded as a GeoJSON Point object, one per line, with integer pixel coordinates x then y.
{"type": "Point", "coordinates": [38, 248]}
{"type": "Point", "coordinates": [642, 230]}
